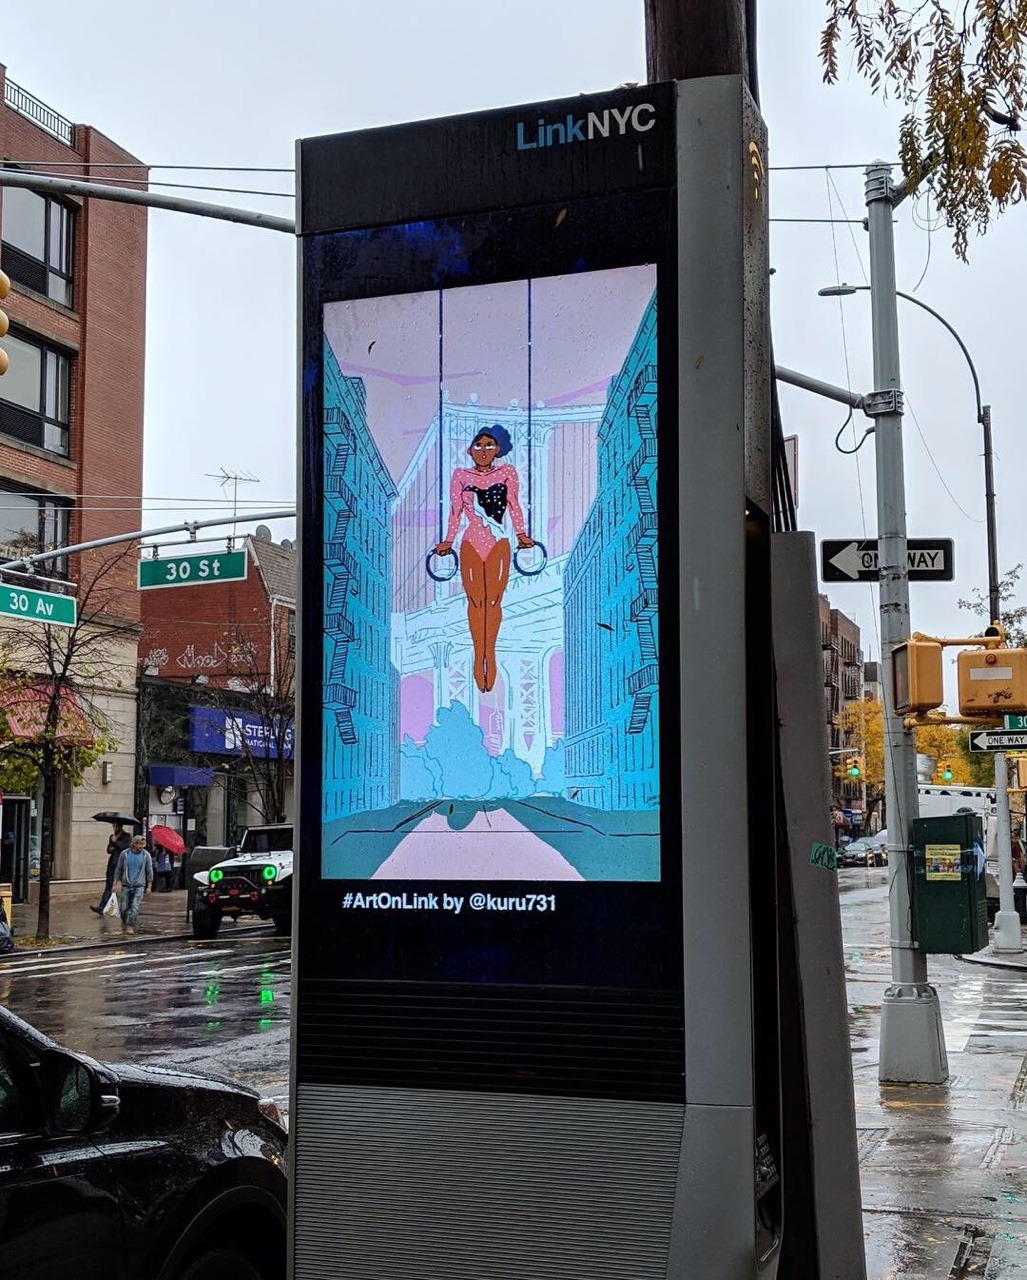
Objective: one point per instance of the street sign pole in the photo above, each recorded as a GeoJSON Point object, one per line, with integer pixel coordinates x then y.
{"type": "Point", "coordinates": [912, 1038]}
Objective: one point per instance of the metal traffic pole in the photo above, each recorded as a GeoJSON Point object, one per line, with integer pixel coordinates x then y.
{"type": "Point", "coordinates": [912, 1038]}
{"type": "Point", "coordinates": [1006, 936]}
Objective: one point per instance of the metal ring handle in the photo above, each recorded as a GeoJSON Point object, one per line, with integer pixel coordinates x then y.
{"type": "Point", "coordinates": [441, 577]}
{"type": "Point", "coordinates": [531, 573]}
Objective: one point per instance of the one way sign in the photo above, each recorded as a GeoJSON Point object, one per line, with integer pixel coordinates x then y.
{"type": "Point", "coordinates": [855, 560]}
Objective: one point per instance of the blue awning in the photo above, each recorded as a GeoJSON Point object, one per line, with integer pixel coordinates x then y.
{"type": "Point", "coordinates": [179, 775]}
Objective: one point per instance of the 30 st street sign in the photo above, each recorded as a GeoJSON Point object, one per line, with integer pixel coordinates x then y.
{"type": "Point", "coordinates": [997, 740]}
{"type": "Point", "coordinates": [855, 560]}
{"type": "Point", "coordinates": [193, 571]}
{"type": "Point", "coordinates": [38, 606]}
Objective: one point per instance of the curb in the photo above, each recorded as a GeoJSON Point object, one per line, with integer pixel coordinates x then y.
{"type": "Point", "coordinates": [993, 962]}
{"type": "Point", "coordinates": [134, 941]}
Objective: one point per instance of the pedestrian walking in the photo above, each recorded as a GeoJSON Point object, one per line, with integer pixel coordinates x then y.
{"type": "Point", "coordinates": [133, 877]}
{"type": "Point", "coordinates": [119, 841]}
{"type": "Point", "coordinates": [162, 870]}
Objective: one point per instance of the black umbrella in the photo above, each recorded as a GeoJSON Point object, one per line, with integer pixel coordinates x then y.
{"type": "Point", "coordinates": [123, 819]}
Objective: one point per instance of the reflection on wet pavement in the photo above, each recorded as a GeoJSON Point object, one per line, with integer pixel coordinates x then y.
{"type": "Point", "coordinates": [205, 1006]}
{"type": "Point", "coordinates": [943, 1168]}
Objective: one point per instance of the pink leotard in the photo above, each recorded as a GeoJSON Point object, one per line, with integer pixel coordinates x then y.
{"type": "Point", "coordinates": [484, 523]}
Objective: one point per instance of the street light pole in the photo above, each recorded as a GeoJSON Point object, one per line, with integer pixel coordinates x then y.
{"type": "Point", "coordinates": [912, 1039]}
{"type": "Point", "coordinates": [1006, 936]}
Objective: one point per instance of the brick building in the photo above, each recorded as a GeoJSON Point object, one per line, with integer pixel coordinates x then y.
{"type": "Point", "coordinates": [71, 417]}
{"type": "Point", "coordinates": [843, 682]}
{"type": "Point", "coordinates": [216, 680]}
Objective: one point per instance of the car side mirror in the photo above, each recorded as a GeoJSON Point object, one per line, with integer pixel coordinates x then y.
{"type": "Point", "coordinates": [73, 1099]}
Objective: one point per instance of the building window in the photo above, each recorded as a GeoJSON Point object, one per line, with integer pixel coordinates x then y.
{"type": "Point", "coordinates": [38, 241]}
{"type": "Point", "coordinates": [35, 395]}
{"type": "Point", "coordinates": [33, 522]}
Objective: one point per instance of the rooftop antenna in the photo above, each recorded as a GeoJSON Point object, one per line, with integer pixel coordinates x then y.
{"type": "Point", "coordinates": [235, 479]}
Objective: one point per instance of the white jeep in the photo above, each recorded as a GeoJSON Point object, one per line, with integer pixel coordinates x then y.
{"type": "Point", "coordinates": [255, 880]}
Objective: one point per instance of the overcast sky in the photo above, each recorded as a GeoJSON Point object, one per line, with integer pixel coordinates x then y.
{"type": "Point", "coordinates": [236, 82]}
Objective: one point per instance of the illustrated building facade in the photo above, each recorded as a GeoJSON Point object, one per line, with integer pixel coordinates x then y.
{"type": "Point", "coordinates": [611, 616]}
{"type": "Point", "coordinates": [71, 411]}
{"type": "Point", "coordinates": [361, 686]}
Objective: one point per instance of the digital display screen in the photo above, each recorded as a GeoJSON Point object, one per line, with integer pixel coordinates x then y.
{"type": "Point", "coordinates": [489, 631]}
{"type": "Point", "coordinates": [491, 706]}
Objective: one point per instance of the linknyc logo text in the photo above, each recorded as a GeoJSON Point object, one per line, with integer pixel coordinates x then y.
{"type": "Point", "coordinates": [597, 124]}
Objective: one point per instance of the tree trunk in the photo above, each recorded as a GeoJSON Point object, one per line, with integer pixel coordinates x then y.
{"type": "Point", "coordinates": [685, 39]}
{"type": "Point", "coordinates": [46, 843]}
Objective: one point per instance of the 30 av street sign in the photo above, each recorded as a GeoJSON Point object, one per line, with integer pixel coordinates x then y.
{"type": "Point", "coordinates": [997, 740]}
{"type": "Point", "coordinates": [855, 560]}
{"type": "Point", "coordinates": [38, 606]}
{"type": "Point", "coordinates": [193, 571]}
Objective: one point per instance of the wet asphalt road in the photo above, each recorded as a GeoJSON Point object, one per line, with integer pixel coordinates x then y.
{"type": "Point", "coordinates": [943, 1169]}
{"type": "Point", "coordinates": [219, 1006]}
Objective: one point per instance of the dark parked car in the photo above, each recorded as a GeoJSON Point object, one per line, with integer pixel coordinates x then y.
{"type": "Point", "coordinates": [133, 1173]}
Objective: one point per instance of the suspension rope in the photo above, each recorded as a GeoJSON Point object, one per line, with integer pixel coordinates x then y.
{"type": "Point", "coordinates": [527, 523]}
{"type": "Point", "coordinates": [442, 490]}
{"type": "Point", "coordinates": [452, 561]}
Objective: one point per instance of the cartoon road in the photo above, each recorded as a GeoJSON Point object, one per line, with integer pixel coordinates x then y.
{"type": "Point", "coordinates": [493, 846]}
{"type": "Point", "coordinates": [543, 838]}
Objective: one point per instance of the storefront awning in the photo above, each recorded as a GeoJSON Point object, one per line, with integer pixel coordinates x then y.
{"type": "Point", "coordinates": [25, 707]}
{"type": "Point", "coordinates": [179, 775]}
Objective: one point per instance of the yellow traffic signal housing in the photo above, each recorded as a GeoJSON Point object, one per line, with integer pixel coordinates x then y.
{"type": "Point", "coordinates": [992, 681]}
{"type": "Point", "coordinates": [5, 324]}
{"type": "Point", "coordinates": [917, 682]}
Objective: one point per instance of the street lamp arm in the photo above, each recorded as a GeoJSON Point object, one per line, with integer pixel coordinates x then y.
{"type": "Point", "coordinates": [842, 290]}
{"type": "Point", "coordinates": [962, 345]}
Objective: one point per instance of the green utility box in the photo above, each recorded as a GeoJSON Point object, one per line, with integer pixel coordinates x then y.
{"type": "Point", "coordinates": [950, 908]}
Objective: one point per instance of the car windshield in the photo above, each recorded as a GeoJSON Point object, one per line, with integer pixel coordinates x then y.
{"type": "Point", "coordinates": [269, 840]}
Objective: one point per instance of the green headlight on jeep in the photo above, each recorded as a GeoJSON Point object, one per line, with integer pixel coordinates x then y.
{"type": "Point", "coordinates": [270, 873]}
{"type": "Point", "coordinates": [216, 875]}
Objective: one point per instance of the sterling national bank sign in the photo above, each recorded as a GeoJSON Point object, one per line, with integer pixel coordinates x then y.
{"type": "Point", "coordinates": [219, 732]}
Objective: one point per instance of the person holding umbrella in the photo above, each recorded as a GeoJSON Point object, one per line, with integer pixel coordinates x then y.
{"type": "Point", "coordinates": [168, 845]}
{"type": "Point", "coordinates": [119, 841]}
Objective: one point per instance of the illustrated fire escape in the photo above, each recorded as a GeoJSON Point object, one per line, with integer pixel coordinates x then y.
{"type": "Point", "coordinates": [340, 698]}
{"type": "Point", "coordinates": [644, 682]}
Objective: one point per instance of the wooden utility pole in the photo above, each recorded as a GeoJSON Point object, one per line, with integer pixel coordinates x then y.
{"type": "Point", "coordinates": [689, 38]}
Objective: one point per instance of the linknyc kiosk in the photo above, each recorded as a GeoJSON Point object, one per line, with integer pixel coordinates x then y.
{"type": "Point", "coordinates": [545, 1022]}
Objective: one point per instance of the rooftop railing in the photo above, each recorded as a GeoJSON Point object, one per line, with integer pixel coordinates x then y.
{"type": "Point", "coordinates": [20, 100]}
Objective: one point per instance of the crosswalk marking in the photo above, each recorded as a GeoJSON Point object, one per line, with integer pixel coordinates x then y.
{"type": "Point", "coordinates": [107, 958]}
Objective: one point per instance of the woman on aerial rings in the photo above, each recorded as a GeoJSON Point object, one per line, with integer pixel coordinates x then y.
{"type": "Point", "coordinates": [482, 495]}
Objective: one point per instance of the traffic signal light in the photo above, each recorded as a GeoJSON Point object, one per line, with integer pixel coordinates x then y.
{"type": "Point", "coordinates": [854, 766]}
{"type": "Point", "coordinates": [917, 683]}
{"type": "Point", "coordinates": [945, 770]}
{"type": "Point", "coordinates": [5, 324]}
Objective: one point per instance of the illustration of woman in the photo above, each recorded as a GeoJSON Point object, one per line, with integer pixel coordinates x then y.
{"type": "Point", "coordinates": [482, 495]}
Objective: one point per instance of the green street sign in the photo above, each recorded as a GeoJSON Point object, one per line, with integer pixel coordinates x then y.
{"type": "Point", "coordinates": [193, 571]}
{"type": "Point", "coordinates": [1018, 723]}
{"type": "Point", "coordinates": [38, 606]}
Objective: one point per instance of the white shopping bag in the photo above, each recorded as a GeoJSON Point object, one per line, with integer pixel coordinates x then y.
{"type": "Point", "coordinates": [112, 909]}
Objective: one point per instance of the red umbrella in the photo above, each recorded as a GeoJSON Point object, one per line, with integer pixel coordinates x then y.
{"type": "Point", "coordinates": [167, 839]}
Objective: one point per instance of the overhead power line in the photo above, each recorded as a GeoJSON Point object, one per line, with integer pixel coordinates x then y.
{"type": "Point", "coordinates": [124, 164]}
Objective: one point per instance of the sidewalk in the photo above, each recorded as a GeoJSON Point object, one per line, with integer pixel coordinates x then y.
{"type": "Point", "coordinates": [73, 925]}
{"type": "Point", "coordinates": [943, 1168]}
